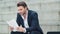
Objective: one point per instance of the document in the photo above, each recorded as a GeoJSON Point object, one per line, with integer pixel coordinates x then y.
{"type": "Point", "coordinates": [13, 24]}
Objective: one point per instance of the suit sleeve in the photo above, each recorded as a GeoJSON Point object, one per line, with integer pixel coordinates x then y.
{"type": "Point", "coordinates": [34, 23]}
{"type": "Point", "coordinates": [18, 19]}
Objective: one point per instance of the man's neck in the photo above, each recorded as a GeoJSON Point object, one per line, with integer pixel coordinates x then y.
{"type": "Point", "coordinates": [25, 13]}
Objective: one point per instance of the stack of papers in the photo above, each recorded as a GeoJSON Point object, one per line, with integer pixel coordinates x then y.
{"type": "Point", "coordinates": [13, 24]}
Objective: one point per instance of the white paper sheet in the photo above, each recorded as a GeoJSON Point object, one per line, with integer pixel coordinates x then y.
{"type": "Point", "coordinates": [13, 24]}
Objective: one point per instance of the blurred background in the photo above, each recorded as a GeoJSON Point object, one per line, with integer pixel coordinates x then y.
{"type": "Point", "coordinates": [48, 12]}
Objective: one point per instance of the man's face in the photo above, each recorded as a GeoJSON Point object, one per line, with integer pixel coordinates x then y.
{"type": "Point", "coordinates": [22, 10]}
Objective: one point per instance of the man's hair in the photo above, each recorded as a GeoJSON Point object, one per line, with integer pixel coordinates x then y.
{"type": "Point", "coordinates": [22, 4]}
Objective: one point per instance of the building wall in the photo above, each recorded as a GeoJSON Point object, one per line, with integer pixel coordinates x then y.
{"type": "Point", "coordinates": [48, 12]}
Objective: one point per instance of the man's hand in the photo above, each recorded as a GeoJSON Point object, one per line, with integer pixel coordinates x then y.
{"type": "Point", "coordinates": [11, 28]}
{"type": "Point", "coordinates": [21, 29]}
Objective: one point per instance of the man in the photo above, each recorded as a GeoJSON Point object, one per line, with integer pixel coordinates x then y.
{"type": "Point", "coordinates": [27, 21]}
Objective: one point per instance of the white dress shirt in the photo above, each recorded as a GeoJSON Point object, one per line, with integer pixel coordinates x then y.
{"type": "Point", "coordinates": [25, 21]}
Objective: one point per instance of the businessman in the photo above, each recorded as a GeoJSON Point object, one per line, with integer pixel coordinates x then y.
{"type": "Point", "coordinates": [27, 21]}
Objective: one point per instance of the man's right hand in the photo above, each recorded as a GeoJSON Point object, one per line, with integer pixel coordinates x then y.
{"type": "Point", "coordinates": [11, 28]}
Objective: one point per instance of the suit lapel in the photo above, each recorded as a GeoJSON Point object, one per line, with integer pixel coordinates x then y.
{"type": "Point", "coordinates": [28, 19]}
{"type": "Point", "coordinates": [21, 21]}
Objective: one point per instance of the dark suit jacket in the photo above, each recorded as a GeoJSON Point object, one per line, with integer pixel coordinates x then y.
{"type": "Point", "coordinates": [33, 23]}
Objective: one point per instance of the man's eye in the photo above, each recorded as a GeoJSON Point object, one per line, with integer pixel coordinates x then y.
{"type": "Point", "coordinates": [20, 9]}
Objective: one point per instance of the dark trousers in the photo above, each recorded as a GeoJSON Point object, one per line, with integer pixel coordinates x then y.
{"type": "Point", "coordinates": [33, 32]}
{"type": "Point", "coordinates": [18, 33]}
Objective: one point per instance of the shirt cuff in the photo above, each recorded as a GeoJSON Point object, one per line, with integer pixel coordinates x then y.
{"type": "Point", "coordinates": [24, 30]}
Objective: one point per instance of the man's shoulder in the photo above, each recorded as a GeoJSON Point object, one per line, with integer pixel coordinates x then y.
{"type": "Point", "coordinates": [32, 12]}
